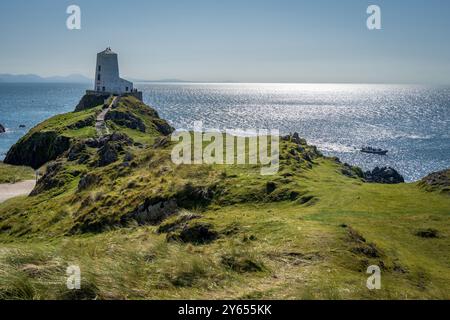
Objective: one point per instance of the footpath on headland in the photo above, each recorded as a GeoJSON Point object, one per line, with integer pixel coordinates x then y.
{"type": "Point", "coordinates": [12, 190]}
{"type": "Point", "coordinates": [24, 188]}
{"type": "Point", "coordinates": [100, 125]}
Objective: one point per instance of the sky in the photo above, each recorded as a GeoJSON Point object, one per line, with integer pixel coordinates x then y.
{"type": "Point", "coordinates": [233, 40]}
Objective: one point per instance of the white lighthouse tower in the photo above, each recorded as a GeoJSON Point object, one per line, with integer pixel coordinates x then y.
{"type": "Point", "coordinates": [107, 79]}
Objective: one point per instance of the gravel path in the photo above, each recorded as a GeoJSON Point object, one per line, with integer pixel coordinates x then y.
{"type": "Point", "coordinates": [100, 124]}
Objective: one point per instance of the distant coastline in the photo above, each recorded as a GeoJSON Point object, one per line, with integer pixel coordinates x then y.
{"type": "Point", "coordinates": [34, 78]}
{"type": "Point", "coordinates": [79, 78]}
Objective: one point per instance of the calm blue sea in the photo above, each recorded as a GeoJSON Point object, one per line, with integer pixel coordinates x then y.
{"type": "Point", "coordinates": [412, 122]}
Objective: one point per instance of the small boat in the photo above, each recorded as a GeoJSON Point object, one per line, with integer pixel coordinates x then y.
{"type": "Point", "coordinates": [374, 151]}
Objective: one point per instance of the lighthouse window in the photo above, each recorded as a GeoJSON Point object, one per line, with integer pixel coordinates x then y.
{"type": "Point", "coordinates": [126, 89]}
{"type": "Point", "coordinates": [99, 68]}
{"type": "Point", "coordinates": [98, 77]}
{"type": "Point", "coordinates": [103, 88]}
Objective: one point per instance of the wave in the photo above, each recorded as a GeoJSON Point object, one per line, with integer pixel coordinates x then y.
{"type": "Point", "coordinates": [334, 147]}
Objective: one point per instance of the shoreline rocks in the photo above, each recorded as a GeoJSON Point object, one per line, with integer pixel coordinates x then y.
{"type": "Point", "coordinates": [2, 128]}
{"type": "Point", "coordinates": [386, 175]}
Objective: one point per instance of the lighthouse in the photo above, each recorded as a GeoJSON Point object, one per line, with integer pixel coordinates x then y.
{"type": "Point", "coordinates": [107, 78]}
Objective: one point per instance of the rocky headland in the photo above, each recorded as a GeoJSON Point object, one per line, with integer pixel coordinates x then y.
{"type": "Point", "coordinates": [142, 227]}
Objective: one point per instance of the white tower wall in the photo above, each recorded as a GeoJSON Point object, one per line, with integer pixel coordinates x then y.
{"type": "Point", "coordinates": [107, 77]}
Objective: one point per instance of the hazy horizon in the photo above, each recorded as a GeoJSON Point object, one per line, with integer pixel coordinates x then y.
{"type": "Point", "coordinates": [187, 81]}
{"type": "Point", "coordinates": [244, 42]}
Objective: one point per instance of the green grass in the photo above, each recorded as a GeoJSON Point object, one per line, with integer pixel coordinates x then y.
{"type": "Point", "coordinates": [12, 174]}
{"type": "Point", "coordinates": [83, 133]}
{"type": "Point", "coordinates": [301, 251]}
{"type": "Point", "coordinates": [294, 240]}
{"type": "Point", "coordinates": [137, 136]}
{"type": "Point", "coordinates": [62, 122]}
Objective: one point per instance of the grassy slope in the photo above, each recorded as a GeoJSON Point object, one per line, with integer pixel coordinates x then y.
{"type": "Point", "coordinates": [12, 174]}
{"type": "Point", "coordinates": [269, 247]}
{"type": "Point", "coordinates": [64, 124]}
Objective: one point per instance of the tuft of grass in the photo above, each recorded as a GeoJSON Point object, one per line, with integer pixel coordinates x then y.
{"type": "Point", "coordinates": [242, 262]}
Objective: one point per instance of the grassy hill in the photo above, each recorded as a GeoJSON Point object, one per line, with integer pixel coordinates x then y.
{"type": "Point", "coordinates": [141, 227]}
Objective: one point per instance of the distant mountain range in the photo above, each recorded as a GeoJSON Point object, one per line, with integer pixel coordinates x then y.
{"type": "Point", "coordinates": [161, 80]}
{"type": "Point", "coordinates": [78, 78]}
{"type": "Point", "coordinates": [179, 81]}
{"type": "Point", "coordinates": [33, 78]}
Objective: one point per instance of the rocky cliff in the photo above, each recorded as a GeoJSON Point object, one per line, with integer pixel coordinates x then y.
{"type": "Point", "coordinates": [89, 101]}
{"type": "Point", "coordinates": [37, 149]}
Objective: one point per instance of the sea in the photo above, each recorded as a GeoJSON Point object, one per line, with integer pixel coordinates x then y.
{"type": "Point", "coordinates": [411, 121]}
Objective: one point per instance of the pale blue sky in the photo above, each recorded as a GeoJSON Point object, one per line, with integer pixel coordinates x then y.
{"type": "Point", "coordinates": [237, 40]}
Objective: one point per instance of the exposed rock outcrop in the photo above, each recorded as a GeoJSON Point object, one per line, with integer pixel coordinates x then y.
{"type": "Point", "coordinates": [53, 177]}
{"type": "Point", "coordinates": [91, 101]}
{"type": "Point", "coordinates": [163, 126]}
{"type": "Point", "coordinates": [2, 128]}
{"type": "Point", "coordinates": [134, 114]}
{"type": "Point", "coordinates": [385, 175]}
{"type": "Point", "coordinates": [153, 211]}
{"type": "Point", "coordinates": [125, 119]}
{"type": "Point", "coordinates": [78, 152]}
{"type": "Point", "coordinates": [437, 181]}
{"type": "Point", "coordinates": [295, 137]}
{"type": "Point", "coordinates": [114, 137]}
{"type": "Point", "coordinates": [89, 121]}
{"type": "Point", "coordinates": [109, 147]}
{"type": "Point", "coordinates": [108, 154]}
{"type": "Point", "coordinates": [300, 151]}
{"type": "Point", "coordinates": [37, 149]}
{"type": "Point", "coordinates": [351, 171]}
